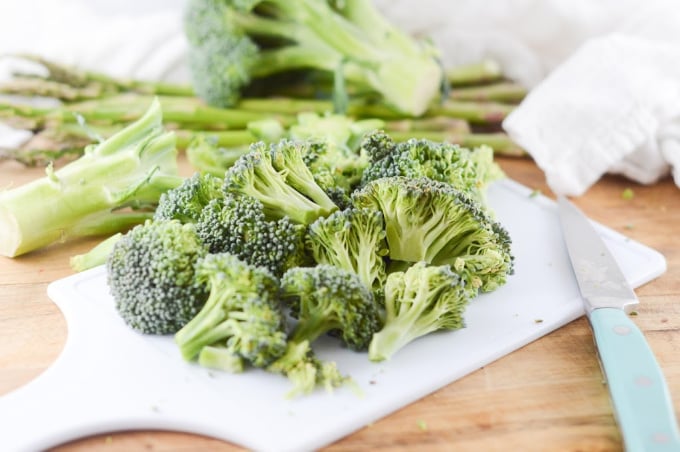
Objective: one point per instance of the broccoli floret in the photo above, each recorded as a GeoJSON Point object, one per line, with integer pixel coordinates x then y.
{"type": "Point", "coordinates": [352, 239]}
{"type": "Point", "coordinates": [468, 170]}
{"type": "Point", "coordinates": [431, 221]}
{"type": "Point", "coordinates": [115, 185]}
{"type": "Point", "coordinates": [237, 224]}
{"type": "Point", "coordinates": [152, 279]}
{"type": "Point", "coordinates": [277, 176]}
{"type": "Point", "coordinates": [327, 299]}
{"type": "Point", "coordinates": [421, 300]}
{"type": "Point", "coordinates": [305, 370]}
{"type": "Point", "coordinates": [242, 312]}
{"type": "Point", "coordinates": [335, 160]}
{"type": "Point", "coordinates": [186, 202]}
{"type": "Point", "coordinates": [234, 42]}
{"type": "Point", "coordinates": [221, 357]}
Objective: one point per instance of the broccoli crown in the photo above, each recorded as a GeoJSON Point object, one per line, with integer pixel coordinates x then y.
{"type": "Point", "coordinates": [237, 224]}
{"type": "Point", "coordinates": [418, 301]}
{"type": "Point", "coordinates": [152, 278]}
{"type": "Point", "coordinates": [186, 202]}
{"type": "Point", "coordinates": [242, 312]}
{"type": "Point", "coordinates": [352, 239]}
{"type": "Point", "coordinates": [431, 221]}
{"type": "Point", "coordinates": [326, 299]}
{"type": "Point", "coordinates": [234, 42]}
{"type": "Point", "coordinates": [467, 170]}
{"type": "Point", "coordinates": [277, 176]}
{"type": "Point", "coordinates": [221, 57]}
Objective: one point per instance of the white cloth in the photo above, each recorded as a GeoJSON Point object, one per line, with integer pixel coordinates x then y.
{"type": "Point", "coordinates": [613, 106]}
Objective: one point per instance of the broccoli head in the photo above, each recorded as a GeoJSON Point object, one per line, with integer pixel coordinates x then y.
{"type": "Point", "coordinates": [152, 278]}
{"type": "Point", "coordinates": [278, 177]}
{"type": "Point", "coordinates": [352, 239]}
{"type": "Point", "coordinates": [233, 42]}
{"type": "Point", "coordinates": [237, 224]}
{"type": "Point", "coordinates": [418, 301]}
{"type": "Point", "coordinates": [242, 312]}
{"type": "Point", "coordinates": [327, 299]}
{"type": "Point", "coordinates": [431, 221]}
{"type": "Point", "coordinates": [467, 170]}
{"type": "Point", "coordinates": [186, 202]}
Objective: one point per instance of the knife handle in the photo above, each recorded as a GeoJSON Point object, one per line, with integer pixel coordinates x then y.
{"type": "Point", "coordinates": [641, 399]}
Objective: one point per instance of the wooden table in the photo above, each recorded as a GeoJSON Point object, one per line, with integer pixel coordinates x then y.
{"type": "Point", "coordinates": [547, 396]}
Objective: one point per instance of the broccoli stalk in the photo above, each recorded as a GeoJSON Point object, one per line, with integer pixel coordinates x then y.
{"type": "Point", "coordinates": [352, 39]}
{"type": "Point", "coordinates": [419, 301]}
{"type": "Point", "coordinates": [114, 185]}
{"type": "Point", "coordinates": [96, 256]}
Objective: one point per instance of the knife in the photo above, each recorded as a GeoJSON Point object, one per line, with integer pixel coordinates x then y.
{"type": "Point", "coordinates": [640, 396]}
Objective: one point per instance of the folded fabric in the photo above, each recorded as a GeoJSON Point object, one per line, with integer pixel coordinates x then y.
{"type": "Point", "coordinates": [613, 106]}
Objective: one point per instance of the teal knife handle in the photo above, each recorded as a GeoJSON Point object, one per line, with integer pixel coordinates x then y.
{"type": "Point", "coordinates": [641, 399]}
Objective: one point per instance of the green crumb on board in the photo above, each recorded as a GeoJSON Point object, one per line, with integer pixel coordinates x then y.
{"type": "Point", "coordinates": [108, 439]}
{"type": "Point", "coordinates": [422, 425]}
{"type": "Point", "coordinates": [628, 226]}
{"type": "Point", "coordinates": [535, 192]}
{"type": "Point", "coordinates": [538, 321]}
{"type": "Point", "coordinates": [628, 193]}
{"type": "Point", "coordinates": [633, 313]}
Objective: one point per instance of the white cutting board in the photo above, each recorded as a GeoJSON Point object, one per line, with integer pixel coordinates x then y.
{"type": "Point", "coordinates": [110, 378]}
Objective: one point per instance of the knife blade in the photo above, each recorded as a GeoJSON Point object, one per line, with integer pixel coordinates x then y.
{"type": "Point", "coordinates": [642, 404]}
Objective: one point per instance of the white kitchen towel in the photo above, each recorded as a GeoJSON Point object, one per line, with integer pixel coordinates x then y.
{"type": "Point", "coordinates": [613, 106]}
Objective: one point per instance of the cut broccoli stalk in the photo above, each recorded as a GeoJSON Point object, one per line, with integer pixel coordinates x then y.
{"type": "Point", "coordinates": [220, 358]}
{"type": "Point", "coordinates": [419, 301]}
{"type": "Point", "coordinates": [114, 185]}
{"type": "Point", "coordinates": [232, 43]}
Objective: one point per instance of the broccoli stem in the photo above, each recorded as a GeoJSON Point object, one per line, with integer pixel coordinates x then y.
{"type": "Point", "coordinates": [96, 256]}
{"type": "Point", "coordinates": [85, 197]}
{"type": "Point", "coordinates": [220, 358]}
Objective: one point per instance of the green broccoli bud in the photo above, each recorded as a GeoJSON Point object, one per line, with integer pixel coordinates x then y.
{"type": "Point", "coordinates": [237, 224]}
{"type": "Point", "coordinates": [277, 176]}
{"type": "Point", "coordinates": [113, 186]}
{"type": "Point", "coordinates": [150, 273]}
{"type": "Point", "coordinates": [431, 221]}
{"type": "Point", "coordinates": [326, 299]}
{"type": "Point", "coordinates": [467, 170]}
{"type": "Point", "coordinates": [354, 240]}
{"type": "Point", "coordinates": [419, 301]}
{"type": "Point", "coordinates": [186, 202]}
{"type": "Point", "coordinates": [242, 312]}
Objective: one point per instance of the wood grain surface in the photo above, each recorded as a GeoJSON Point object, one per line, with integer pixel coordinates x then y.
{"type": "Point", "coordinates": [547, 396]}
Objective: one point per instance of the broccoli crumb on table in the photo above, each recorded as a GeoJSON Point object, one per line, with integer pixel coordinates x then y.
{"type": "Point", "coordinates": [547, 393]}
